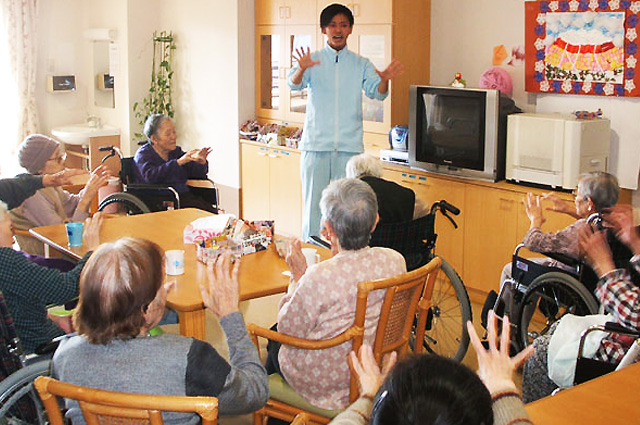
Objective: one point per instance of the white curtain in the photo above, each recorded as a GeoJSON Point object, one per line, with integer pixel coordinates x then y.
{"type": "Point", "coordinates": [20, 18]}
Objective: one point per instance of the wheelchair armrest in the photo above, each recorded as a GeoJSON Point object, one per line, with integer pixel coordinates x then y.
{"type": "Point", "coordinates": [203, 183]}
{"type": "Point", "coordinates": [619, 329]}
{"type": "Point", "coordinates": [148, 186]}
{"type": "Point", "coordinates": [569, 261]}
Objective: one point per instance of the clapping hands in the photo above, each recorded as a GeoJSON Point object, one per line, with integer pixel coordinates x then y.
{"type": "Point", "coordinates": [195, 155]}
{"type": "Point", "coordinates": [295, 260]}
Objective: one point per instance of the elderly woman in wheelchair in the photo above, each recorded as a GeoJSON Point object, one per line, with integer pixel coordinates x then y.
{"type": "Point", "coordinates": [617, 292]}
{"type": "Point", "coordinates": [529, 283]}
{"type": "Point", "coordinates": [161, 161]}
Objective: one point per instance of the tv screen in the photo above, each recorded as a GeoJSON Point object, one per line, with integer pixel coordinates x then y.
{"type": "Point", "coordinates": [451, 127]}
{"type": "Point", "coordinates": [457, 131]}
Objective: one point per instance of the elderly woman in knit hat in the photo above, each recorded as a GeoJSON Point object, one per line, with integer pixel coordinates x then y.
{"type": "Point", "coordinates": [40, 154]}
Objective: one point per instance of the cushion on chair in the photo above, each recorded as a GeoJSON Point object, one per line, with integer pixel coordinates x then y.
{"type": "Point", "coordinates": [281, 391]}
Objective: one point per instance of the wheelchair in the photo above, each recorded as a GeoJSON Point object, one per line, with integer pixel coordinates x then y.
{"type": "Point", "coordinates": [19, 401]}
{"type": "Point", "coordinates": [139, 198]}
{"type": "Point", "coordinates": [450, 309]}
{"type": "Point", "coordinates": [587, 368]}
{"type": "Point", "coordinates": [541, 294]}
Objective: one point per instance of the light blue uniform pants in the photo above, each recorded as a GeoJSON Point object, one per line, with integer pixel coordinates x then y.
{"type": "Point", "coordinates": [317, 169]}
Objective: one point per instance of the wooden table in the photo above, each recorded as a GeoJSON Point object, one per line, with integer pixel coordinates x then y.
{"type": "Point", "coordinates": [609, 399]}
{"type": "Point", "coordinates": [260, 274]}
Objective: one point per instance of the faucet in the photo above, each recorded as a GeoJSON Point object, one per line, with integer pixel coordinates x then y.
{"type": "Point", "coordinates": [93, 121]}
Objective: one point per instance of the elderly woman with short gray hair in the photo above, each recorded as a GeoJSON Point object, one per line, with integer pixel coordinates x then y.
{"type": "Point", "coordinates": [162, 161]}
{"type": "Point", "coordinates": [396, 203]}
{"type": "Point", "coordinates": [320, 302]}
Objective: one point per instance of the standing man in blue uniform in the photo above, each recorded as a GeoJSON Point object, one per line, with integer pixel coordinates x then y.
{"type": "Point", "coordinates": [332, 133]}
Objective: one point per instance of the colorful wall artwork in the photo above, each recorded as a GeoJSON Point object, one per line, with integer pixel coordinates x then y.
{"type": "Point", "coordinates": [582, 47]}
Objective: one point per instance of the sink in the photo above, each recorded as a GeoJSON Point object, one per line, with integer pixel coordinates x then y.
{"type": "Point", "coordinates": [79, 134]}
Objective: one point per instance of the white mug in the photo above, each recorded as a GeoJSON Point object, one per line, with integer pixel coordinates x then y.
{"type": "Point", "coordinates": [311, 255]}
{"type": "Point", "coordinates": [174, 262]}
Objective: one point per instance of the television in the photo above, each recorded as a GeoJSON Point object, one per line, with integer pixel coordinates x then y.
{"type": "Point", "coordinates": [458, 131]}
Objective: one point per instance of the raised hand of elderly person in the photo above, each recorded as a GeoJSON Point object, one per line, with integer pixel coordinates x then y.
{"type": "Point", "coordinates": [370, 377]}
{"type": "Point", "coordinates": [203, 154]}
{"type": "Point", "coordinates": [295, 260]}
{"type": "Point", "coordinates": [62, 177]}
{"type": "Point", "coordinates": [621, 217]}
{"type": "Point", "coordinates": [594, 246]}
{"type": "Point", "coordinates": [495, 366]}
{"type": "Point", "coordinates": [98, 179]}
{"type": "Point", "coordinates": [91, 231]}
{"type": "Point", "coordinates": [559, 205]}
{"type": "Point", "coordinates": [533, 208]}
{"type": "Point", "coordinates": [221, 293]}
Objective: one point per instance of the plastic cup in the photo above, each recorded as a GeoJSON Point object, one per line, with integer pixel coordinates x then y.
{"type": "Point", "coordinates": [174, 262]}
{"type": "Point", "coordinates": [311, 255]}
{"type": "Point", "coordinates": [74, 233]}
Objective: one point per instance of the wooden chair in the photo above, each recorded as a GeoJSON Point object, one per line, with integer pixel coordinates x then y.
{"type": "Point", "coordinates": [109, 407]}
{"type": "Point", "coordinates": [406, 294]}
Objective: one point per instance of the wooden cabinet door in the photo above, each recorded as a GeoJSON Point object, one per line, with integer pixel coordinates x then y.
{"type": "Point", "coordinates": [254, 166]}
{"type": "Point", "coordinates": [491, 223]}
{"type": "Point", "coordinates": [295, 101]}
{"type": "Point", "coordinates": [374, 43]}
{"type": "Point", "coordinates": [450, 240]}
{"type": "Point", "coordinates": [302, 12]}
{"type": "Point", "coordinates": [270, 12]}
{"type": "Point", "coordinates": [364, 11]}
{"type": "Point", "coordinates": [286, 192]}
{"type": "Point", "coordinates": [271, 84]}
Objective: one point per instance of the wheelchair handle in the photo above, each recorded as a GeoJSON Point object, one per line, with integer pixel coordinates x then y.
{"type": "Point", "coordinates": [450, 207]}
{"type": "Point", "coordinates": [113, 151]}
{"type": "Point", "coordinates": [446, 208]}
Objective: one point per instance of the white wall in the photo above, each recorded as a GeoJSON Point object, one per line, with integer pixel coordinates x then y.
{"type": "Point", "coordinates": [62, 51]}
{"type": "Point", "coordinates": [206, 90]}
{"type": "Point", "coordinates": [214, 69]}
{"type": "Point", "coordinates": [489, 23]}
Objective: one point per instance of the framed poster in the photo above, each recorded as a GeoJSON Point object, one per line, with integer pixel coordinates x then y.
{"type": "Point", "coordinates": [582, 47]}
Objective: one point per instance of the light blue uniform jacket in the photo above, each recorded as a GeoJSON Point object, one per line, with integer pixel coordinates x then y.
{"type": "Point", "coordinates": [333, 120]}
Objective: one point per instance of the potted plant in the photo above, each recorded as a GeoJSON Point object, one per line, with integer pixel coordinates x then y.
{"type": "Point", "coordinates": [158, 101]}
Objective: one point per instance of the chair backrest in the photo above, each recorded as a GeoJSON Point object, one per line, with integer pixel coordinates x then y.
{"type": "Point", "coordinates": [413, 239]}
{"type": "Point", "coordinates": [109, 407]}
{"type": "Point", "coordinates": [405, 295]}
{"type": "Point", "coordinates": [129, 173]}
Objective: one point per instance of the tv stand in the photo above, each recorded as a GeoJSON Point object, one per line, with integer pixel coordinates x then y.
{"type": "Point", "coordinates": [491, 223]}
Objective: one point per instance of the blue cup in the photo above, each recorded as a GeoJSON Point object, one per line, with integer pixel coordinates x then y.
{"type": "Point", "coordinates": [74, 233]}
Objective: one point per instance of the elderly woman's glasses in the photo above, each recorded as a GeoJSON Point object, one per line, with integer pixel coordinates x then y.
{"type": "Point", "coordinates": [59, 159]}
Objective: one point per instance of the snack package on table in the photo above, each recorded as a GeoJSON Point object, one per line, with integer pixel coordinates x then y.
{"type": "Point", "coordinates": [217, 234]}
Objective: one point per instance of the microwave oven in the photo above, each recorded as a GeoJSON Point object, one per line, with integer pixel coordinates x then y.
{"type": "Point", "coordinates": [554, 149]}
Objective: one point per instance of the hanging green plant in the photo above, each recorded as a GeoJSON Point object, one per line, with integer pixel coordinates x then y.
{"type": "Point", "coordinates": [158, 101]}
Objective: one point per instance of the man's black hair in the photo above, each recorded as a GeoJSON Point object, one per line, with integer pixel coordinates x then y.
{"type": "Point", "coordinates": [332, 10]}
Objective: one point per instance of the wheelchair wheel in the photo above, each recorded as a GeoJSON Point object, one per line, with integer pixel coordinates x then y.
{"type": "Point", "coordinates": [131, 204]}
{"type": "Point", "coordinates": [446, 330]}
{"type": "Point", "coordinates": [19, 401]}
{"type": "Point", "coordinates": [548, 298]}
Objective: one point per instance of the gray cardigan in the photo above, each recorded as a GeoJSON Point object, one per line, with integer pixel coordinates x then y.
{"type": "Point", "coordinates": [169, 364]}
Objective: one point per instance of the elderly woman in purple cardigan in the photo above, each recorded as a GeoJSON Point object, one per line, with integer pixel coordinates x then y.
{"type": "Point", "coordinates": [161, 161]}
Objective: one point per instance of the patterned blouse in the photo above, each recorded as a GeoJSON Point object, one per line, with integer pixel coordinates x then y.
{"type": "Point", "coordinates": [564, 241]}
{"type": "Point", "coordinates": [322, 305]}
